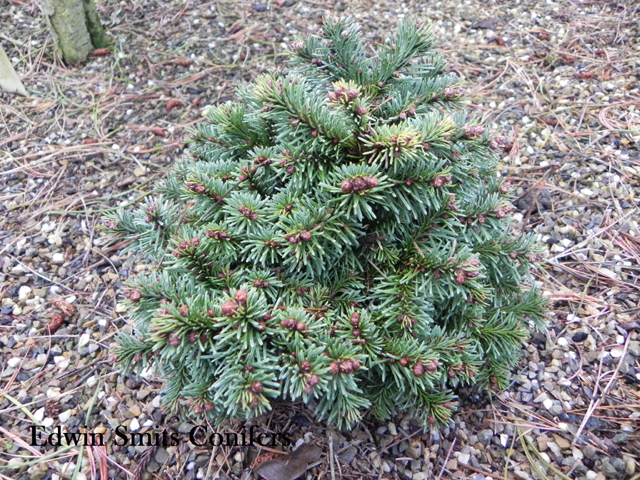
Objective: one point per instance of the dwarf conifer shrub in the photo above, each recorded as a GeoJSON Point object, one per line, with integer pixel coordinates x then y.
{"type": "Point", "coordinates": [337, 235]}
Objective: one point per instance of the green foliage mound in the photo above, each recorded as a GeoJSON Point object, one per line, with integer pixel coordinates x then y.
{"type": "Point", "coordinates": [338, 235]}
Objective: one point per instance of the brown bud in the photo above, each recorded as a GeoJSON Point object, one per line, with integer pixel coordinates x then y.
{"type": "Point", "coordinates": [356, 332]}
{"type": "Point", "coordinates": [301, 327]}
{"type": "Point", "coordinates": [418, 369]}
{"type": "Point", "coordinates": [461, 279]}
{"type": "Point", "coordinates": [360, 110]}
{"type": "Point", "coordinates": [305, 366]}
{"type": "Point", "coordinates": [307, 389]}
{"type": "Point", "coordinates": [352, 94]}
{"type": "Point", "coordinates": [305, 236]}
{"type": "Point", "coordinates": [404, 361]}
{"type": "Point", "coordinates": [355, 364]}
{"type": "Point", "coordinates": [313, 380]}
{"type": "Point", "coordinates": [432, 366]}
{"type": "Point", "coordinates": [229, 309]}
{"type": "Point", "coordinates": [135, 296]}
{"type": "Point", "coordinates": [174, 341]}
{"type": "Point", "coordinates": [208, 407]}
{"type": "Point", "coordinates": [346, 186]}
{"type": "Point", "coordinates": [334, 368]}
{"type": "Point", "coordinates": [183, 310]}
{"type": "Point", "coordinates": [241, 296]}
{"type": "Point", "coordinates": [254, 402]}
{"type": "Point", "coordinates": [371, 181]}
{"type": "Point", "coordinates": [346, 366]}
{"type": "Point", "coordinates": [358, 184]}
{"type": "Point", "coordinates": [355, 319]}
{"type": "Point", "coordinates": [257, 387]}
{"type": "Point", "coordinates": [288, 323]}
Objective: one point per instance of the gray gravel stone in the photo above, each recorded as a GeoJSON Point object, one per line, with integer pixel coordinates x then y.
{"type": "Point", "coordinates": [620, 438]}
{"type": "Point", "coordinates": [161, 456]}
{"type": "Point", "coordinates": [485, 436]}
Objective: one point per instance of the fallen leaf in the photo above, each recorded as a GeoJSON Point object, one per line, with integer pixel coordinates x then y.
{"type": "Point", "coordinates": [101, 52]}
{"type": "Point", "coordinates": [89, 141]}
{"type": "Point", "coordinates": [56, 322]}
{"type": "Point", "coordinates": [160, 132]}
{"type": "Point", "coordinates": [173, 103]}
{"type": "Point", "coordinates": [585, 75]}
{"type": "Point", "coordinates": [183, 62]}
{"type": "Point", "coordinates": [290, 466]}
{"type": "Point", "coordinates": [265, 457]}
{"type": "Point", "coordinates": [63, 305]}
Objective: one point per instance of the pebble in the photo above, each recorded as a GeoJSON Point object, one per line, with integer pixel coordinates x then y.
{"type": "Point", "coordinates": [14, 362]}
{"type": "Point", "coordinates": [630, 465]}
{"type": "Point", "coordinates": [64, 416]}
{"type": "Point", "coordinates": [414, 450]}
{"type": "Point", "coordinates": [485, 436]}
{"type": "Point", "coordinates": [135, 410]}
{"type": "Point", "coordinates": [134, 426]}
{"type": "Point", "coordinates": [84, 339]}
{"type": "Point", "coordinates": [542, 443]}
{"type": "Point", "coordinates": [617, 352]}
{"type": "Point", "coordinates": [562, 442]}
{"type": "Point", "coordinates": [161, 456]}
{"type": "Point", "coordinates": [39, 414]}
{"type": "Point", "coordinates": [620, 438]}
{"type": "Point", "coordinates": [588, 451]}
{"type": "Point", "coordinates": [61, 361]}
{"type": "Point", "coordinates": [464, 458]}
{"type": "Point", "coordinates": [23, 293]}
{"type": "Point", "coordinates": [57, 258]}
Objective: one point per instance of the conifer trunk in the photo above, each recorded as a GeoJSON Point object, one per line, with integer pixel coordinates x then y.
{"type": "Point", "coordinates": [75, 27]}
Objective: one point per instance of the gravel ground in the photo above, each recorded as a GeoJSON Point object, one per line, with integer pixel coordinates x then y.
{"type": "Point", "coordinates": [559, 78]}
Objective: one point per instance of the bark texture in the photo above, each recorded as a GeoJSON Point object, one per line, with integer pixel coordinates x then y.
{"type": "Point", "coordinates": [9, 80]}
{"type": "Point", "coordinates": [75, 26]}
{"type": "Point", "coordinates": [96, 31]}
